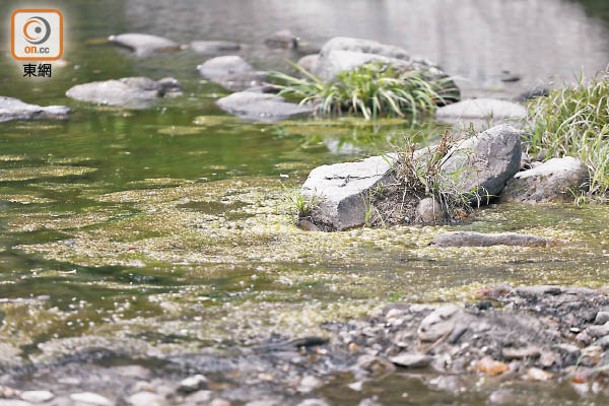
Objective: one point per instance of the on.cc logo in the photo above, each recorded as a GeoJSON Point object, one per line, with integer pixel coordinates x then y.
{"type": "Point", "coordinates": [37, 34]}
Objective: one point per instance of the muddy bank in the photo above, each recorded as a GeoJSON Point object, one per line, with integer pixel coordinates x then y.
{"type": "Point", "coordinates": [548, 339]}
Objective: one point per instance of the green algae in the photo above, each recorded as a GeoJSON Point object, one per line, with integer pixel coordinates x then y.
{"type": "Point", "coordinates": [23, 174]}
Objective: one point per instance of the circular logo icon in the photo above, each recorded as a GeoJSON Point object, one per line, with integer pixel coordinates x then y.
{"type": "Point", "coordinates": [36, 30]}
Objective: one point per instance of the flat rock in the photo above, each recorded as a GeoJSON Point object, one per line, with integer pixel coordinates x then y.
{"type": "Point", "coordinates": [344, 190]}
{"type": "Point", "coordinates": [412, 360]}
{"type": "Point", "coordinates": [262, 107]}
{"type": "Point", "coordinates": [214, 47]}
{"type": "Point", "coordinates": [144, 44]}
{"type": "Point", "coordinates": [131, 92]}
{"type": "Point", "coordinates": [480, 165]}
{"type": "Point", "coordinates": [473, 239]}
{"type": "Point", "coordinates": [231, 72]}
{"type": "Point", "coordinates": [439, 323]}
{"type": "Point", "coordinates": [511, 353]}
{"type": "Point", "coordinates": [15, 109]}
{"type": "Point", "coordinates": [37, 396]}
{"type": "Point", "coordinates": [91, 399]}
{"type": "Point", "coordinates": [482, 109]}
{"type": "Point", "coordinates": [557, 180]}
{"type": "Point", "coordinates": [146, 399]}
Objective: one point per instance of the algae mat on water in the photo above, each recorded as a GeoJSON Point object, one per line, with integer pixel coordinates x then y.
{"type": "Point", "coordinates": [187, 264]}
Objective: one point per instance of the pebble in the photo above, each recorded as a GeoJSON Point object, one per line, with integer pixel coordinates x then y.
{"type": "Point", "coordinates": [313, 402]}
{"type": "Point", "coordinates": [489, 366]}
{"type": "Point", "coordinates": [193, 384]}
{"type": "Point", "coordinates": [201, 396]}
{"type": "Point", "coordinates": [591, 356]}
{"type": "Point", "coordinates": [220, 402]}
{"type": "Point", "coordinates": [37, 396]}
{"type": "Point", "coordinates": [412, 360]}
{"type": "Point", "coordinates": [91, 399]}
{"type": "Point", "coordinates": [511, 353]}
{"type": "Point", "coordinates": [536, 374]}
{"type": "Point", "coordinates": [598, 331]}
{"type": "Point", "coordinates": [309, 383]}
{"type": "Point", "coordinates": [145, 399]}
{"type": "Point", "coordinates": [375, 366]}
{"type": "Point", "coordinates": [601, 318]}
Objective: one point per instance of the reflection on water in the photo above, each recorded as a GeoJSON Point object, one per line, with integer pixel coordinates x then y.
{"type": "Point", "coordinates": [475, 39]}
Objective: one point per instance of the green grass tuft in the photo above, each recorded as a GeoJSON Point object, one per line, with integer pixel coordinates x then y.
{"type": "Point", "coordinates": [574, 121]}
{"type": "Point", "coordinates": [372, 90]}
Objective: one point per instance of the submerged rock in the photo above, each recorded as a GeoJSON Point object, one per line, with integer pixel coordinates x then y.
{"type": "Point", "coordinates": [144, 44]}
{"type": "Point", "coordinates": [214, 47]}
{"type": "Point", "coordinates": [231, 72]}
{"type": "Point", "coordinates": [15, 109]}
{"type": "Point", "coordinates": [263, 107]}
{"type": "Point", "coordinates": [557, 180]}
{"type": "Point", "coordinates": [473, 239]}
{"type": "Point", "coordinates": [344, 190]}
{"type": "Point", "coordinates": [131, 92]}
{"type": "Point", "coordinates": [283, 39]}
{"type": "Point", "coordinates": [480, 165]}
{"type": "Point", "coordinates": [483, 109]}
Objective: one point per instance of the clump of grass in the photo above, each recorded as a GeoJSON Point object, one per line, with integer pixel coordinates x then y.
{"type": "Point", "coordinates": [372, 90]}
{"type": "Point", "coordinates": [419, 174]}
{"type": "Point", "coordinates": [304, 205]}
{"type": "Point", "coordinates": [574, 121]}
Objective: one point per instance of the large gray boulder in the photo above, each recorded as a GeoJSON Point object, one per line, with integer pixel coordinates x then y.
{"type": "Point", "coordinates": [480, 110]}
{"type": "Point", "coordinates": [264, 107]}
{"type": "Point", "coordinates": [15, 109]}
{"type": "Point", "coordinates": [344, 53]}
{"type": "Point", "coordinates": [344, 191]}
{"type": "Point", "coordinates": [557, 180]}
{"type": "Point", "coordinates": [133, 92]}
{"type": "Point", "coordinates": [231, 72]}
{"type": "Point", "coordinates": [144, 44]}
{"type": "Point", "coordinates": [481, 165]}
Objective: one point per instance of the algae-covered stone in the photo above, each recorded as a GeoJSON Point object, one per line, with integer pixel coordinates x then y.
{"type": "Point", "coordinates": [231, 72]}
{"type": "Point", "coordinates": [473, 239]}
{"type": "Point", "coordinates": [262, 107]}
{"type": "Point", "coordinates": [15, 109]}
{"type": "Point", "coordinates": [131, 92]}
{"type": "Point", "coordinates": [144, 44]}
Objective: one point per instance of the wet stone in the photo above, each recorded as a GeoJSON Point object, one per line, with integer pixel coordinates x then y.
{"type": "Point", "coordinates": [521, 353]}
{"type": "Point", "coordinates": [90, 398]}
{"type": "Point", "coordinates": [411, 360]}
{"type": "Point", "coordinates": [145, 399]}
{"type": "Point", "coordinates": [192, 384]}
{"type": "Point", "coordinates": [37, 396]}
{"type": "Point", "coordinates": [598, 331]}
{"type": "Point", "coordinates": [602, 317]}
{"type": "Point", "coordinates": [144, 44]}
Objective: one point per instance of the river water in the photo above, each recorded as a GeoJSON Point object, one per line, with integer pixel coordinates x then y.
{"type": "Point", "coordinates": [171, 226]}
